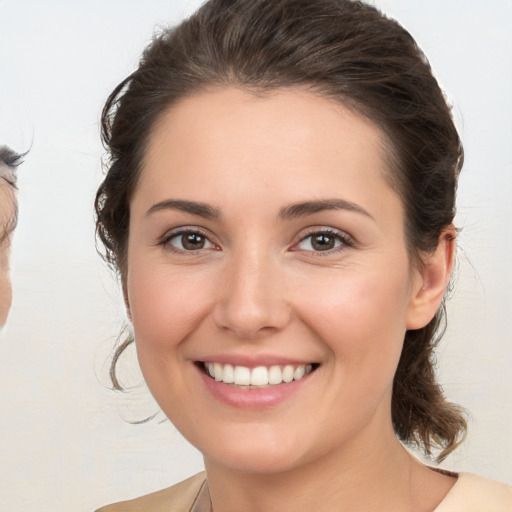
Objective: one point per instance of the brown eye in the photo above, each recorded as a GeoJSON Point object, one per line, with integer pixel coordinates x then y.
{"type": "Point", "coordinates": [321, 241]}
{"type": "Point", "coordinates": [189, 241]}
{"type": "Point", "coordinates": [192, 241]}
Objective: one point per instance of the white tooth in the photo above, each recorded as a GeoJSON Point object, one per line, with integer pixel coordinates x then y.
{"type": "Point", "coordinates": [299, 372]}
{"type": "Point", "coordinates": [242, 376]}
{"type": "Point", "coordinates": [229, 374]}
{"type": "Point", "coordinates": [217, 371]}
{"type": "Point", "coordinates": [288, 373]}
{"type": "Point", "coordinates": [259, 376]}
{"type": "Point", "coordinates": [275, 375]}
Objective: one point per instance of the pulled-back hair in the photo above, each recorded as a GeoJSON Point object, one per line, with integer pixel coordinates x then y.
{"type": "Point", "coordinates": [340, 49]}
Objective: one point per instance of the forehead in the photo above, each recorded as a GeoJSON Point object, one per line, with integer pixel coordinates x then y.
{"type": "Point", "coordinates": [251, 158]}
{"type": "Point", "coordinates": [284, 133]}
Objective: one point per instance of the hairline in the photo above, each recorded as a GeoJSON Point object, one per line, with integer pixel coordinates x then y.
{"type": "Point", "coordinates": [392, 168]}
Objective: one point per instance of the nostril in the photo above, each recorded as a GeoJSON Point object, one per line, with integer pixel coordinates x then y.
{"type": "Point", "coordinates": [251, 320]}
{"type": "Point", "coordinates": [250, 300]}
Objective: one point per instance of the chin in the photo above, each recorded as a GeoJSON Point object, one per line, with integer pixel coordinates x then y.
{"type": "Point", "coordinates": [257, 462]}
{"type": "Point", "coordinates": [253, 452]}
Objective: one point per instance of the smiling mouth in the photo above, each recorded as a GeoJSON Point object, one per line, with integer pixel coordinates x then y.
{"type": "Point", "coordinates": [258, 377]}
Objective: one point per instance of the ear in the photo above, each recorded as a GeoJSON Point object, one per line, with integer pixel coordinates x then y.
{"type": "Point", "coordinates": [431, 281]}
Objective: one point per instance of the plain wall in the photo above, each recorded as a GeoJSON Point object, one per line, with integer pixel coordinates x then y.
{"type": "Point", "coordinates": [65, 443]}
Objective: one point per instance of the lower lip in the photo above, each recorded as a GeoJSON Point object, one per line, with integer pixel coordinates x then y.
{"type": "Point", "coordinates": [255, 398]}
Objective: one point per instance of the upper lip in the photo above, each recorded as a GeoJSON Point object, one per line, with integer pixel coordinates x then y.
{"type": "Point", "coordinates": [253, 361]}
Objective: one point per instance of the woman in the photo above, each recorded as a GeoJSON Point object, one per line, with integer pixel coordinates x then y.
{"type": "Point", "coordinates": [8, 217]}
{"type": "Point", "coordinates": [279, 204]}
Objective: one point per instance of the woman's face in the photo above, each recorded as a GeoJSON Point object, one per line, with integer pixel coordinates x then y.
{"type": "Point", "coordinates": [7, 210]}
{"type": "Point", "coordinates": [265, 242]}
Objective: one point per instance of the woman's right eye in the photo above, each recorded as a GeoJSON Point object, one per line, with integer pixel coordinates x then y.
{"type": "Point", "coordinates": [188, 241]}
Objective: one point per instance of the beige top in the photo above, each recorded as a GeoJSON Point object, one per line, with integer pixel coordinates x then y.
{"type": "Point", "coordinates": [471, 493]}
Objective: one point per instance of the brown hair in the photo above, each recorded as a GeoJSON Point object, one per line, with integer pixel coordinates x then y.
{"type": "Point", "coordinates": [341, 49]}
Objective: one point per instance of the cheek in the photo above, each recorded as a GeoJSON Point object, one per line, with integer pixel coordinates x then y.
{"type": "Point", "coordinates": [5, 297]}
{"type": "Point", "coordinates": [165, 306]}
{"type": "Point", "coordinates": [361, 321]}
{"type": "Point", "coordinates": [5, 284]}
{"type": "Point", "coordinates": [361, 316]}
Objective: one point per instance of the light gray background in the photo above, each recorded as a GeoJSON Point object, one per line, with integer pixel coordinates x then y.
{"type": "Point", "coordinates": [64, 441]}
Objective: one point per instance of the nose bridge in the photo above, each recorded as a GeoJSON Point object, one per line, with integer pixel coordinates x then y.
{"type": "Point", "coordinates": [252, 299]}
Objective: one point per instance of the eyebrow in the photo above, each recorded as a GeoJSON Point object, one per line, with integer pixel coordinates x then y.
{"type": "Point", "coordinates": [292, 211]}
{"type": "Point", "coordinates": [193, 207]}
{"type": "Point", "coordinates": [310, 207]}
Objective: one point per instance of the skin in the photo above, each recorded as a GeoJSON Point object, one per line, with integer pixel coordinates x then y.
{"type": "Point", "coordinates": [7, 210]}
{"type": "Point", "coordinates": [258, 288]}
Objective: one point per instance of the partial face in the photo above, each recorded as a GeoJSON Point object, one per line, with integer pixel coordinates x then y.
{"type": "Point", "coordinates": [267, 249]}
{"type": "Point", "coordinates": [7, 210]}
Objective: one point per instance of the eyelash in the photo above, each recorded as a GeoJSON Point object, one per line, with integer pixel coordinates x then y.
{"type": "Point", "coordinates": [346, 241]}
{"type": "Point", "coordinates": [179, 233]}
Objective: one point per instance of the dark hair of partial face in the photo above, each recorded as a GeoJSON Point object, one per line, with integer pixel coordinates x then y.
{"type": "Point", "coordinates": [339, 49]}
{"type": "Point", "coordinates": [9, 160]}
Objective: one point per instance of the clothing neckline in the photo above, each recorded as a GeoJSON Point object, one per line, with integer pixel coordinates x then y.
{"type": "Point", "coordinates": [203, 503]}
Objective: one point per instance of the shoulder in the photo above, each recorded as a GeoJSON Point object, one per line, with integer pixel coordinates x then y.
{"type": "Point", "coordinates": [178, 498]}
{"type": "Point", "coordinates": [472, 493]}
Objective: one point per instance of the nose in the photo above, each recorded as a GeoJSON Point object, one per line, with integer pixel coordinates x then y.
{"type": "Point", "coordinates": [251, 301]}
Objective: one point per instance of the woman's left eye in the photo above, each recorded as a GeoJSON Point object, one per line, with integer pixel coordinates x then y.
{"type": "Point", "coordinates": [321, 241]}
{"type": "Point", "coordinates": [189, 241]}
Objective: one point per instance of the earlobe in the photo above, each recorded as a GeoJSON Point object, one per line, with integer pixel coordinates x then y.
{"type": "Point", "coordinates": [433, 278]}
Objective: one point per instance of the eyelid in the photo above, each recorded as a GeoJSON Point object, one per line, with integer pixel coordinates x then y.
{"type": "Point", "coordinates": [181, 230]}
{"type": "Point", "coordinates": [347, 241]}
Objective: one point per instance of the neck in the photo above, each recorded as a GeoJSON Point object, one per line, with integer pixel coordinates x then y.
{"type": "Point", "coordinates": [364, 475]}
